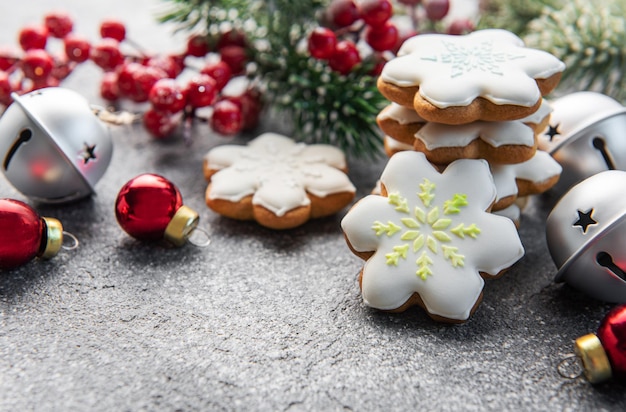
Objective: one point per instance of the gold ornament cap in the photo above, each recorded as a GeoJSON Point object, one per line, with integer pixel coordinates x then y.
{"type": "Point", "coordinates": [595, 362]}
{"type": "Point", "coordinates": [53, 238]}
{"type": "Point", "coordinates": [184, 221]}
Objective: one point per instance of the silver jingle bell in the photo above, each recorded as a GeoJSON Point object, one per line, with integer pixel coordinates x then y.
{"type": "Point", "coordinates": [53, 148]}
{"type": "Point", "coordinates": [586, 135]}
{"type": "Point", "coordinates": [586, 235]}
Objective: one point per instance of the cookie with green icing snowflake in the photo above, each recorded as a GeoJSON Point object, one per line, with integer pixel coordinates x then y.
{"type": "Point", "coordinates": [485, 75]}
{"type": "Point", "coordinates": [430, 240]}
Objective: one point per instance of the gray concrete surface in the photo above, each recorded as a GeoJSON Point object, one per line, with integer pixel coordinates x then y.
{"type": "Point", "coordinates": [260, 320]}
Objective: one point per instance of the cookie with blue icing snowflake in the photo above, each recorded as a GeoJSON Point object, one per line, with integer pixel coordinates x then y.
{"type": "Point", "coordinates": [485, 75]}
{"type": "Point", "coordinates": [429, 240]}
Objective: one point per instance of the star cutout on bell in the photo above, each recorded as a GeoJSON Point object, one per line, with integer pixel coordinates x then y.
{"type": "Point", "coordinates": [553, 131]}
{"type": "Point", "coordinates": [88, 153]}
{"type": "Point", "coordinates": [584, 220]}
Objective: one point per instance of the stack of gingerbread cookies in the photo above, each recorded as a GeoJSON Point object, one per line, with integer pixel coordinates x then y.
{"type": "Point", "coordinates": [477, 96]}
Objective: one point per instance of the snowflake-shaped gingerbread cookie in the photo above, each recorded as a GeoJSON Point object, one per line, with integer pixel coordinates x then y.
{"type": "Point", "coordinates": [485, 75]}
{"type": "Point", "coordinates": [277, 182]}
{"type": "Point", "coordinates": [431, 239]}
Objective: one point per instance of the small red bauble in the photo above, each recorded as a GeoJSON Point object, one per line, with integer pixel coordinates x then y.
{"type": "Point", "coordinates": [612, 334]}
{"type": "Point", "coordinates": [25, 235]}
{"type": "Point", "coordinates": [150, 207]}
{"type": "Point", "coordinates": [603, 355]}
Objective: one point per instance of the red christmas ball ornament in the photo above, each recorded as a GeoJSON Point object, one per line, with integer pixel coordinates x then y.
{"type": "Point", "coordinates": [604, 354]}
{"type": "Point", "coordinates": [150, 207]}
{"type": "Point", "coordinates": [25, 235]}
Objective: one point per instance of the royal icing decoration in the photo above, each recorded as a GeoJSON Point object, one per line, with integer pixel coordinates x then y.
{"type": "Point", "coordinates": [277, 172]}
{"type": "Point", "coordinates": [540, 168]}
{"type": "Point", "coordinates": [438, 135]}
{"type": "Point", "coordinates": [455, 70]}
{"type": "Point", "coordinates": [431, 235]}
{"type": "Point", "coordinates": [400, 114]}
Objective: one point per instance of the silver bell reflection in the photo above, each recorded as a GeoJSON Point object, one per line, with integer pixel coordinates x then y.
{"type": "Point", "coordinates": [586, 234]}
{"type": "Point", "coordinates": [53, 148]}
{"type": "Point", "coordinates": [586, 135]}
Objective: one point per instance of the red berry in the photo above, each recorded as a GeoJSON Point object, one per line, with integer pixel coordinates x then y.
{"type": "Point", "coordinates": [235, 57]}
{"type": "Point", "coordinates": [158, 124]}
{"type": "Point", "coordinates": [37, 64]}
{"type": "Point", "coordinates": [107, 54]}
{"type": "Point", "coordinates": [460, 26]}
{"type": "Point", "coordinates": [346, 56]}
{"type": "Point", "coordinates": [76, 48]}
{"type": "Point", "coordinates": [378, 67]}
{"type": "Point", "coordinates": [167, 96]}
{"type": "Point", "coordinates": [42, 83]}
{"type": "Point", "coordinates": [227, 118]}
{"type": "Point", "coordinates": [8, 58]}
{"type": "Point", "coordinates": [250, 105]}
{"type": "Point", "coordinates": [322, 43]}
{"type": "Point", "coordinates": [197, 46]}
{"type": "Point", "coordinates": [33, 37]}
{"type": "Point", "coordinates": [376, 12]}
{"type": "Point", "coordinates": [5, 89]}
{"type": "Point", "coordinates": [169, 64]}
{"type": "Point", "coordinates": [113, 29]}
{"type": "Point", "coordinates": [62, 69]}
{"type": "Point", "coordinates": [343, 12]}
{"type": "Point", "coordinates": [126, 78]}
{"type": "Point", "coordinates": [436, 9]}
{"type": "Point", "coordinates": [382, 38]}
{"type": "Point", "coordinates": [58, 24]}
{"type": "Point", "coordinates": [144, 79]}
{"type": "Point", "coordinates": [108, 87]}
{"type": "Point", "coordinates": [410, 2]}
{"type": "Point", "coordinates": [220, 71]}
{"type": "Point", "coordinates": [201, 91]}
{"type": "Point", "coordinates": [231, 38]}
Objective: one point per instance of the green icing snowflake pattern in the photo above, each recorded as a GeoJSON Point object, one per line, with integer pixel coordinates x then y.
{"type": "Point", "coordinates": [413, 231]}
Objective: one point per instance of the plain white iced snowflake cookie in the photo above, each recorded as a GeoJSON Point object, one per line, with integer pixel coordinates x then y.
{"type": "Point", "coordinates": [277, 182]}
{"type": "Point", "coordinates": [430, 240]}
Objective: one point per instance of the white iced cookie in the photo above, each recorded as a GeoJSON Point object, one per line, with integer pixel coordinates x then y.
{"type": "Point", "coordinates": [430, 240]}
{"type": "Point", "coordinates": [496, 142]}
{"type": "Point", "coordinates": [531, 177]}
{"type": "Point", "coordinates": [277, 182]}
{"type": "Point", "coordinates": [485, 75]}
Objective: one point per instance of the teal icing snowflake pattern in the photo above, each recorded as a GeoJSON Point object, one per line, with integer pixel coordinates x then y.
{"type": "Point", "coordinates": [427, 230]}
{"type": "Point", "coordinates": [481, 57]}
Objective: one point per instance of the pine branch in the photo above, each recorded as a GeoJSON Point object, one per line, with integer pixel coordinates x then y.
{"type": "Point", "coordinates": [590, 40]}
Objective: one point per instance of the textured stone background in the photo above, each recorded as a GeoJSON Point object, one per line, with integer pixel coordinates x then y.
{"type": "Point", "coordinates": [260, 320]}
